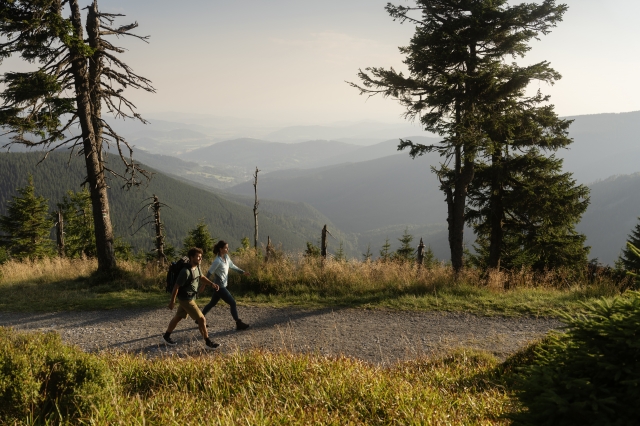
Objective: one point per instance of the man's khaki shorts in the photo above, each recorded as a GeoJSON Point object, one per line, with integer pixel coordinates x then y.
{"type": "Point", "coordinates": [188, 307]}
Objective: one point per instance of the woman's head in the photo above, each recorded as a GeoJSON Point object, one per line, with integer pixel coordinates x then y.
{"type": "Point", "coordinates": [221, 246]}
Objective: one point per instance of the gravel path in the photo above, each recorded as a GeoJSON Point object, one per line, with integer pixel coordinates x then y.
{"type": "Point", "coordinates": [377, 336]}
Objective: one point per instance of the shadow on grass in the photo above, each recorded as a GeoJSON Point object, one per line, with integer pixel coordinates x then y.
{"type": "Point", "coordinates": [120, 289]}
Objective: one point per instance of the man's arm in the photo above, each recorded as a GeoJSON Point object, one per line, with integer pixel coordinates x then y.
{"type": "Point", "coordinates": [182, 278]}
{"type": "Point", "coordinates": [206, 281]}
{"type": "Point", "coordinates": [174, 293]}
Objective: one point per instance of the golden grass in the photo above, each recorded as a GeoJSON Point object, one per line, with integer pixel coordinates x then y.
{"type": "Point", "coordinates": [63, 284]}
{"type": "Point", "coordinates": [283, 388]}
{"type": "Point", "coordinates": [253, 387]}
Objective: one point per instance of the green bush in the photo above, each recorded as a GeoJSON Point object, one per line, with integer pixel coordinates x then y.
{"type": "Point", "coordinates": [42, 378]}
{"type": "Point", "coordinates": [591, 373]}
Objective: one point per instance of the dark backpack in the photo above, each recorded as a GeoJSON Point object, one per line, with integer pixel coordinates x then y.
{"type": "Point", "coordinates": [174, 270]}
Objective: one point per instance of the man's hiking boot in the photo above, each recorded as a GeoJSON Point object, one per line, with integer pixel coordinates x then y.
{"type": "Point", "coordinates": [167, 339]}
{"type": "Point", "coordinates": [241, 325]}
{"type": "Point", "coordinates": [208, 344]}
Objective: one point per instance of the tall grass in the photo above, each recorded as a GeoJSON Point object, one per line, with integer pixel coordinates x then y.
{"type": "Point", "coordinates": [255, 387]}
{"type": "Point", "coordinates": [58, 283]}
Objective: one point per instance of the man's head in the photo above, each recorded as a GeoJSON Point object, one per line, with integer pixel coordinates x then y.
{"type": "Point", "coordinates": [195, 255]}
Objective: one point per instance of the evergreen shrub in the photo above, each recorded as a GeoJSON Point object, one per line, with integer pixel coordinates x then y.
{"type": "Point", "coordinates": [40, 376]}
{"type": "Point", "coordinates": [589, 375]}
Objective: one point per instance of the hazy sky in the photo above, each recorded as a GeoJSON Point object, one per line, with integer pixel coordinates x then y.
{"type": "Point", "coordinates": [285, 61]}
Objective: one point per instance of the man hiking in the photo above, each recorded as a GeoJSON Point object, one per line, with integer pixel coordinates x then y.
{"type": "Point", "coordinates": [186, 288]}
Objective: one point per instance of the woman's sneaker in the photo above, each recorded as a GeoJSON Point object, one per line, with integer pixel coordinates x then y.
{"type": "Point", "coordinates": [241, 325]}
{"type": "Point", "coordinates": [167, 339]}
{"type": "Point", "coordinates": [211, 345]}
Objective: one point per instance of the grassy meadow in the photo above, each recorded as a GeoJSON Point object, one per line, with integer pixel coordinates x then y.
{"type": "Point", "coordinates": [72, 284]}
{"type": "Point", "coordinates": [254, 387]}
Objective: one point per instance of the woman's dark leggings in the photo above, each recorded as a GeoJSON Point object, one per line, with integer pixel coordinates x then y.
{"type": "Point", "coordinates": [223, 294]}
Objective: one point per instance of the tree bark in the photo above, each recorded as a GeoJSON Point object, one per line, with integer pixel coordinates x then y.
{"type": "Point", "coordinates": [255, 211]}
{"type": "Point", "coordinates": [456, 201]}
{"type": "Point", "coordinates": [159, 236]}
{"type": "Point", "coordinates": [420, 257]}
{"type": "Point", "coordinates": [323, 242]}
{"type": "Point", "coordinates": [497, 213]}
{"type": "Point", "coordinates": [60, 234]}
{"type": "Point", "coordinates": [92, 148]}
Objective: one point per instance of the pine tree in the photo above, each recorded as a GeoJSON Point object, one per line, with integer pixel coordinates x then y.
{"type": "Point", "coordinates": [76, 74]}
{"type": "Point", "coordinates": [312, 250]}
{"type": "Point", "coordinates": [539, 208]}
{"type": "Point", "coordinates": [79, 233]}
{"type": "Point", "coordinates": [457, 73]}
{"type": "Point", "coordinates": [27, 225]}
{"type": "Point", "coordinates": [340, 257]}
{"type": "Point", "coordinates": [244, 246]}
{"type": "Point", "coordinates": [366, 257]}
{"type": "Point", "coordinates": [406, 251]}
{"type": "Point", "coordinates": [628, 258]}
{"type": "Point", "coordinates": [385, 252]}
{"type": "Point", "coordinates": [201, 238]}
{"type": "Point", "coordinates": [429, 258]}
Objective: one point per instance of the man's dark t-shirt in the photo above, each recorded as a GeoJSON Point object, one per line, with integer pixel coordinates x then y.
{"type": "Point", "coordinates": [188, 281]}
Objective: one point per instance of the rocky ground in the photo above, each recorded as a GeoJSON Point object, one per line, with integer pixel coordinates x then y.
{"type": "Point", "coordinates": [377, 336]}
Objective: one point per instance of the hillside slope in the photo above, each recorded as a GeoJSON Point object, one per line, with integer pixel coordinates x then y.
{"type": "Point", "coordinates": [226, 219]}
{"type": "Point", "coordinates": [611, 216]}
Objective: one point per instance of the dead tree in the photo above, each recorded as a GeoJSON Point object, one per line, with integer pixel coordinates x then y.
{"type": "Point", "coordinates": [270, 251]}
{"type": "Point", "coordinates": [323, 242]}
{"type": "Point", "coordinates": [38, 112]}
{"type": "Point", "coordinates": [159, 230]}
{"type": "Point", "coordinates": [154, 218]}
{"type": "Point", "coordinates": [255, 211]}
{"type": "Point", "coordinates": [60, 233]}
{"type": "Point", "coordinates": [420, 257]}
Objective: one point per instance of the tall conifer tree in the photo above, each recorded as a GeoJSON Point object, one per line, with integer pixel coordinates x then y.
{"type": "Point", "coordinates": [523, 208]}
{"type": "Point", "coordinates": [201, 238]}
{"type": "Point", "coordinates": [456, 65]}
{"type": "Point", "coordinates": [539, 207]}
{"type": "Point", "coordinates": [630, 261]}
{"type": "Point", "coordinates": [76, 76]}
{"type": "Point", "coordinates": [79, 233]}
{"type": "Point", "coordinates": [27, 225]}
{"type": "Point", "coordinates": [406, 251]}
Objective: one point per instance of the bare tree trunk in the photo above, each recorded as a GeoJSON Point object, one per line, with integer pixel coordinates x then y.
{"type": "Point", "coordinates": [420, 257]}
{"type": "Point", "coordinates": [323, 243]}
{"type": "Point", "coordinates": [497, 213]}
{"type": "Point", "coordinates": [159, 236]}
{"type": "Point", "coordinates": [269, 250]}
{"type": "Point", "coordinates": [255, 210]}
{"type": "Point", "coordinates": [92, 151]}
{"type": "Point", "coordinates": [456, 224]}
{"type": "Point", "coordinates": [60, 234]}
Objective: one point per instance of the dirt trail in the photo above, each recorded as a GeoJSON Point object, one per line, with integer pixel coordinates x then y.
{"type": "Point", "coordinates": [377, 336]}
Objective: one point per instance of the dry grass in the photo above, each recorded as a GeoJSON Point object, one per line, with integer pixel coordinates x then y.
{"type": "Point", "coordinates": [254, 387]}
{"type": "Point", "coordinates": [63, 284]}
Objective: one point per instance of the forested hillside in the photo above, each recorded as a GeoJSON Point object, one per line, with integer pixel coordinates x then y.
{"type": "Point", "coordinates": [611, 216]}
{"type": "Point", "coordinates": [187, 204]}
{"type": "Point", "coordinates": [363, 196]}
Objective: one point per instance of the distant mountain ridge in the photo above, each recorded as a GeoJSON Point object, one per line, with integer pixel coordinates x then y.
{"type": "Point", "coordinates": [268, 156]}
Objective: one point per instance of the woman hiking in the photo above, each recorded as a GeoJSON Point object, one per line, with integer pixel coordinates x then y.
{"type": "Point", "coordinates": [218, 273]}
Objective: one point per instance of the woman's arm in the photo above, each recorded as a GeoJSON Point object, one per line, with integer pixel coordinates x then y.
{"type": "Point", "coordinates": [235, 268]}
